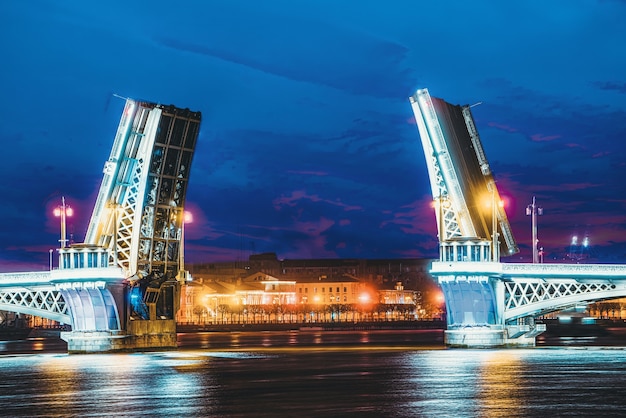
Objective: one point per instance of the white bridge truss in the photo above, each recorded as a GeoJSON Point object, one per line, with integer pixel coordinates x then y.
{"type": "Point", "coordinates": [537, 297]}
{"type": "Point", "coordinates": [453, 214]}
{"type": "Point", "coordinates": [45, 302]}
{"type": "Point", "coordinates": [534, 289]}
{"type": "Point", "coordinates": [77, 297]}
{"type": "Point", "coordinates": [138, 214]}
{"type": "Point", "coordinates": [119, 205]}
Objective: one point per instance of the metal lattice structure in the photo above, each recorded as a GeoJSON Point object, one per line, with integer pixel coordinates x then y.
{"type": "Point", "coordinates": [460, 178]}
{"type": "Point", "coordinates": [46, 302]}
{"type": "Point", "coordinates": [532, 289]}
{"type": "Point", "coordinates": [139, 211]}
{"type": "Point", "coordinates": [489, 303]}
{"type": "Point", "coordinates": [533, 297]}
{"type": "Point", "coordinates": [78, 297]}
{"type": "Point", "coordinates": [135, 230]}
{"type": "Point", "coordinates": [452, 213]}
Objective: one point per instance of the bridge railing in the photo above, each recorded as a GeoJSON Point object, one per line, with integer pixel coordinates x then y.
{"type": "Point", "coordinates": [57, 276]}
{"type": "Point", "coordinates": [526, 270]}
{"type": "Point", "coordinates": [24, 278]}
{"type": "Point", "coordinates": [566, 270]}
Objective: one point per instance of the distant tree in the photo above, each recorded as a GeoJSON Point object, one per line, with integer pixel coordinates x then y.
{"type": "Point", "coordinates": [222, 309]}
{"type": "Point", "coordinates": [200, 311]}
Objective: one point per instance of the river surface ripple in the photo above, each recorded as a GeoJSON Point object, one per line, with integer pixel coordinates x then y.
{"type": "Point", "coordinates": [311, 374]}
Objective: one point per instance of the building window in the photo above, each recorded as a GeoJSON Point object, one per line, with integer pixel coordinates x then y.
{"type": "Point", "coordinates": [345, 290]}
{"type": "Point", "coordinates": [323, 289]}
{"type": "Point", "coordinates": [337, 290]}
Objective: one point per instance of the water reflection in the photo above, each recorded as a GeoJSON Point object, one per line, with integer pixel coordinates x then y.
{"type": "Point", "coordinates": [498, 385]}
{"type": "Point", "coordinates": [292, 374]}
{"type": "Point", "coordinates": [520, 383]}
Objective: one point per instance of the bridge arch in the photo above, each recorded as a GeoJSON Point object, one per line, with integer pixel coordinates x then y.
{"type": "Point", "coordinates": [92, 309]}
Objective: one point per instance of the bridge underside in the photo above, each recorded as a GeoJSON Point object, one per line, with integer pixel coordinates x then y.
{"type": "Point", "coordinates": [92, 309]}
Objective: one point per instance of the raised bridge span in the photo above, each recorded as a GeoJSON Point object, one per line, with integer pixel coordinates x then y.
{"type": "Point", "coordinates": [489, 303]}
{"type": "Point", "coordinates": [119, 290]}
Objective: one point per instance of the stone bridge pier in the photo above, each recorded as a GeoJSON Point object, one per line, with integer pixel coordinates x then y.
{"type": "Point", "coordinates": [491, 304]}
{"type": "Point", "coordinates": [100, 306]}
{"type": "Point", "coordinates": [475, 315]}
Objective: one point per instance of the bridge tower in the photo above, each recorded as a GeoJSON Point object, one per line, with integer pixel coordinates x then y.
{"type": "Point", "coordinates": [134, 235]}
{"type": "Point", "coordinates": [472, 224]}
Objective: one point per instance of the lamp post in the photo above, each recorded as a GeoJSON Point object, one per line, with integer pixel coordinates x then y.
{"type": "Point", "coordinates": [495, 256]}
{"type": "Point", "coordinates": [115, 233]}
{"type": "Point", "coordinates": [533, 210]}
{"type": "Point", "coordinates": [442, 205]}
{"type": "Point", "coordinates": [187, 218]}
{"type": "Point", "coordinates": [63, 212]}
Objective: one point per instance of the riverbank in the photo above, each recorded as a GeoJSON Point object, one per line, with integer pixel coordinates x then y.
{"type": "Point", "coordinates": [315, 326]}
{"type": "Point", "coordinates": [612, 329]}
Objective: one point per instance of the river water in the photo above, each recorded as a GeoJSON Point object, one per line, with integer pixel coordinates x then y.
{"type": "Point", "coordinates": [314, 374]}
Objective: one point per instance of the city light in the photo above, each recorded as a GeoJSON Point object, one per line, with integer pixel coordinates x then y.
{"type": "Point", "coordinates": [63, 211]}
{"type": "Point", "coordinates": [187, 218]}
{"type": "Point", "coordinates": [364, 297]}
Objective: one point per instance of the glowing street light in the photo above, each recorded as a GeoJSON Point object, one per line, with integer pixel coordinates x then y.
{"type": "Point", "coordinates": [442, 205]}
{"type": "Point", "coordinates": [187, 219]}
{"type": "Point", "coordinates": [63, 212]}
{"type": "Point", "coordinates": [495, 255]}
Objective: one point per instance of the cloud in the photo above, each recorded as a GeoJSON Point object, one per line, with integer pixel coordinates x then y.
{"type": "Point", "coordinates": [502, 127]}
{"type": "Point", "coordinates": [298, 195]}
{"type": "Point", "coordinates": [543, 138]}
{"type": "Point", "coordinates": [611, 86]}
{"type": "Point", "coordinates": [297, 58]}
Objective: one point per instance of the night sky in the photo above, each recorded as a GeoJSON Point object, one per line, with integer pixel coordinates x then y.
{"type": "Point", "coordinates": [308, 146]}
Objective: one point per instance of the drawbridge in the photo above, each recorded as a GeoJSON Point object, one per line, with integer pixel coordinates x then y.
{"type": "Point", "coordinates": [489, 303]}
{"type": "Point", "coordinates": [119, 289]}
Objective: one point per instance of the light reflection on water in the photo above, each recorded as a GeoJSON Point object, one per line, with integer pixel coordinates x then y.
{"type": "Point", "coordinates": [310, 381]}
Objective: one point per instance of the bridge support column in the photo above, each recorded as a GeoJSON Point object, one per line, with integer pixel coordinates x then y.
{"type": "Point", "coordinates": [101, 322]}
{"type": "Point", "coordinates": [140, 335]}
{"type": "Point", "coordinates": [475, 315]}
{"type": "Point", "coordinates": [492, 337]}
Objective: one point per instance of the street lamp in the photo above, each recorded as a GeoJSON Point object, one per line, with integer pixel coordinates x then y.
{"type": "Point", "coordinates": [63, 212]}
{"type": "Point", "coordinates": [442, 204]}
{"type": "Point", "coordinates": [187, 218]}
{"type": "Point", "coordinates": [495, 255]}
{"type": "Point", "coordinates": [533, 210]}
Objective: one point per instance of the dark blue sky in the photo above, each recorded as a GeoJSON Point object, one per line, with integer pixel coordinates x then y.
{"type": "Point", "coordinates": [308, 146]}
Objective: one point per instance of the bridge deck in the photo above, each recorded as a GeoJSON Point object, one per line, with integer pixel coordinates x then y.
{"type": "Point", "coordinates": [61, 276]}
{"type": "Point", "coordinates": [544, 272]}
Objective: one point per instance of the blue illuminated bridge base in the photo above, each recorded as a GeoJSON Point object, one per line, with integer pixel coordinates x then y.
{"type": "Point", "coordinates": [93, 301]}
{"type": "Point", "coordinates": [491, 304]}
